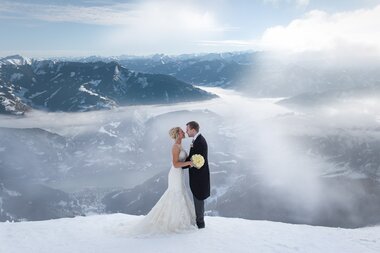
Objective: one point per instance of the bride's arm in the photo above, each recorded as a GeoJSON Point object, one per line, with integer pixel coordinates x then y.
{"type": "Point", "coordinates": [187, 166]}
{"type": "Point", "coordinates": [175, 154]}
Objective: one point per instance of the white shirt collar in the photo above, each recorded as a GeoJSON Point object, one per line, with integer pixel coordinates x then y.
{"type": "Point", "coordinates": [195, 137]}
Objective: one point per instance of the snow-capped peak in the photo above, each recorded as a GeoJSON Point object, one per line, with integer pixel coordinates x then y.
{"type": "Point", "coordinates": [15, 60]}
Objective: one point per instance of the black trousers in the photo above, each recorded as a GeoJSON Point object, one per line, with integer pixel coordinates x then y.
{"type": "Point", "coordinates": [199, 209]}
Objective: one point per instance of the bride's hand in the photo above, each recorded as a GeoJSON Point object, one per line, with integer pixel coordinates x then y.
{"type": "Point", "coordinates": [190, 163]}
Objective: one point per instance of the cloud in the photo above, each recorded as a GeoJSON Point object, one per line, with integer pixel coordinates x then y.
{"type": "Point", "coordinates": [343, 36]}
{"type": "Point", "coordinates": [116, 14]}
{"type": "Point", "coordinates": [227, 45]}
{"type": "Point", "coordinates": [171, 26]}
{"type": "Point", "coordinates": [302, 3]}
{"type": "Point", "coordinates": [142, 27]}
{"type": "Point", "coordinates": [298, 3]}
{"type": "Point", "coordinates": [226, 42]}
{"type": "Point", "coordinates": [319, 30]}
{"type": "Point", "coordinates": [167, 13]}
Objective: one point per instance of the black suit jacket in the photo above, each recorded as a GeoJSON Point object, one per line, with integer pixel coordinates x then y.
{"type": "Point", "coordinates": [199, 178]}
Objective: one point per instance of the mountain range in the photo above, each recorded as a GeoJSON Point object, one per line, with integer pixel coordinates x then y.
{"type": "Point", "coordinates": [92, 83]}
{"type": "Point", "coordinates": [258, 74]}
{"type": "Point", "coordinates": [74, 86]}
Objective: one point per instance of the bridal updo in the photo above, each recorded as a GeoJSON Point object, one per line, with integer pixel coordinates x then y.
{"type": "Point", "coordinates": [174, 132]}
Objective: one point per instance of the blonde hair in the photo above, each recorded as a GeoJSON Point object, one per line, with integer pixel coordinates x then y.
{"type": "Point", "coordinates": [174, 132]}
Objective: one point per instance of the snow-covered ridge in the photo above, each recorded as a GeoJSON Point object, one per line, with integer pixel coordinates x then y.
{"type": "Point", "coordinates": [15, 60]}
{"type": "Point", "coordinates": [108, 233]}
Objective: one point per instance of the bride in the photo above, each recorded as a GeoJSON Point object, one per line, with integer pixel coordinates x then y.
{"type": "Point", "coordinates": [174, 211]}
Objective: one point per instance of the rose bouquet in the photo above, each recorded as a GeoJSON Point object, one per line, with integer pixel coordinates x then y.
{"type": "Point", "coordinates": [198, 161]}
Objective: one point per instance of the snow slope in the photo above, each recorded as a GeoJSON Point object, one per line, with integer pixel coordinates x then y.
{"type": "Point", "coordinates": [106, 233]}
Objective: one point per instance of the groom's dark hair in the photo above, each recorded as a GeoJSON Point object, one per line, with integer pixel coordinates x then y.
{"type": "Point", "coordinates": [193, 125]}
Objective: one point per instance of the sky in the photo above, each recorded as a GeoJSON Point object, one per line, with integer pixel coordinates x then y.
{"type": "Point", "coordinates": [41, 28]}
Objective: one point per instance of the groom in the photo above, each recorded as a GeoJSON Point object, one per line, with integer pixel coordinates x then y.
{"type": "Point", "coordinates": [199, 178]}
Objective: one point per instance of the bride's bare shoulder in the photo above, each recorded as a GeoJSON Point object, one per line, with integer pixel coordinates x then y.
{"type": "Point", "coordinates": [176, 146]}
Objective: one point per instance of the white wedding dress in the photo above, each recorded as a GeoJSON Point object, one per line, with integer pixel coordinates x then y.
{"type": "Point", "coordinates": [174, 211]}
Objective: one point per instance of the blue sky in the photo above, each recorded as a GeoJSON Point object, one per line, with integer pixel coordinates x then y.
{"type": "Point", "coordinates": [40, 28]}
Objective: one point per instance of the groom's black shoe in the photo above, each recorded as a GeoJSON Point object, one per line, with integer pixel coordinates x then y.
{"type": "Point", "coordinates": [201, 225]}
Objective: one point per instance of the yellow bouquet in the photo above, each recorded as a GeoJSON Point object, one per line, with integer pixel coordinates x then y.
{"type": "Point", "coordinates": [198, 161]}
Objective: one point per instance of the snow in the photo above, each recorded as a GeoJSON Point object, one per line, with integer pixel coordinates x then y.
{"type": "Point", "coordinates": [83, 89]}
{"type": "Point", "coordinates": [38, 67]}
{"type": "Point", "coordinates": [37, 94]}
{"type": "Point", "coordinates": [108, 233]}
{"type": "Point", "coordinates": [63, 168]}
{"type": "Point", "coordinates": [143, 81]}
{"type": "Point", "coordinates": [117, 71]}
{"type": "Point", "coordinates": [54, 93]}
{"type": "Point", "coordinates": [220, 67]}
{"type": "Point", "coordinates": [21, 92]}
{"type": "Point", "coordinates": [40, 72]}
{"type": "Point", "coordinates": [58, 75]}
{"type": "Point", "coordinates": [15, 60]}
{"type": "Point", "coordinates": [116, 76]}
{"type": "Point", "coordinates": [16, 76]}
{"type": "Point", "coordinates": [102, 130]}
{"type": "Point", "coordinates": [95, 82]}
{"type": "Point", "coordinates": [8, 104]}
{"type": "Point", "coordinates": [222, 153]}
{"type": "Point", "coordinates": [11, 193]}
{"type": "Point", "coordinates": [230, 161]}
{"type": "Point", "coordinates": [115, 124]}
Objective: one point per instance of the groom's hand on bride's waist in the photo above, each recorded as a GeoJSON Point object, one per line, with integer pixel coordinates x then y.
{"type": "Point", "coordinates": [187, 160]}
{"type": "Point", "coordinates": [186, 167]}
